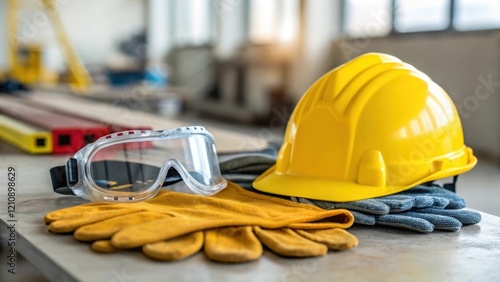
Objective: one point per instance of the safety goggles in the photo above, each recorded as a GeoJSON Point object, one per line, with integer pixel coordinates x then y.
{"type": "Point", "coordinates": [133, 165]}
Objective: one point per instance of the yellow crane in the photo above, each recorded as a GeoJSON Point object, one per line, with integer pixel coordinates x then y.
{"type": "Point", "coordinates": [25, 62]}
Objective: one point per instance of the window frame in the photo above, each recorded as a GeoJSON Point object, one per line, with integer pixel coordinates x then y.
{"type": "Point", "coordinates": [394, 32]}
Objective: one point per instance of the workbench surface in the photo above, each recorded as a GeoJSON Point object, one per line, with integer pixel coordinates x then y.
{"type": "Point", "coordinates": [383, 254]}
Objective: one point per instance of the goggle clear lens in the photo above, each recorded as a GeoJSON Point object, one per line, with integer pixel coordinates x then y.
{"type": "Point", "coordinates": [138, 166]}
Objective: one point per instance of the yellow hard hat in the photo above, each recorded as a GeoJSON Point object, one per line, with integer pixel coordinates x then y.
{"type": "Point", "coordinates": [372, 127]}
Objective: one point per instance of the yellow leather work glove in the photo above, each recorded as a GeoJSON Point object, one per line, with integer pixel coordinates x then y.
{"type": "Point", "coordinates": [243, 243]}
{"type": "Point", "coordinates": [172, 214]}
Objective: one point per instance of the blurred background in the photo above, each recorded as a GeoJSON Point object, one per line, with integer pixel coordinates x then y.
{"type": "Point", "coordinates": [244, 64]}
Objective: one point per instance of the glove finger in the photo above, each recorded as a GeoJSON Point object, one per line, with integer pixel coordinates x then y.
{"type": "Point", "coordinates": [439, 203]}
{"type": "Point", "coordinates": [362, 218]}
{"type": "Point", "coordinates": [371, 206]}
{"type": "Point", "coordinates": [80, 211]}
{"type": "Point", "coordinates": [103, 246]}
{"type": "Point", "coordinates": [339, 218]}
{"type": "Point", "coordinates": [455, 201]}
{"type": "Point", "coordinates": [232, 244]}
{"type": "Point", "coordinates": [73, 223]}
{"type": "Point", "coordinates": [175, 249]}
{"type": "Point", "coordinates": [335, 238]}
{"type": "Point", "coordinates": [63, 214]}
{"type": "Point", "coordinates": [399, 203]}
{"type": "Point", "coordinates": [286, 242]}
{"type": "Point", "coordinates": [440, 222]}
{"type": "Point", "coordinates": [465, 216]}
{"type": "Point", "coordinates": [405, 222]}
{"type": "Point", "coordinates": [106, 228]}
{"type": "Point", "coordinates": [456, 204]}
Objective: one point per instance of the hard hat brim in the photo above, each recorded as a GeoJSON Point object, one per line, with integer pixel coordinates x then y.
{"type": "Point", "coordinates": [340, 191]}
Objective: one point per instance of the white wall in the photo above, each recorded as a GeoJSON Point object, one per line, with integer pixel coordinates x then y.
{"type": "Point", "coordinates": [94, 27]}
{"type": "Point", "coordinates": [158, 29]}
{"type": "Point", "coordinates": [322, 25]}
{"type": "Point", "coordinates": [230, 25]}
{"type": "Point", "coordinates": [460, 63]}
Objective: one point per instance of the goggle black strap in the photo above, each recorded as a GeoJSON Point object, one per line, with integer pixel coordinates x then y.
{"type": "Point", "coordinates": [448, 186]}
{"type": "Point", "coordinates": [452, 186]}
{"type": "Point", "coordinates": [62, 175]}
{"type": "Point", "coordinates": [59, 183]}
